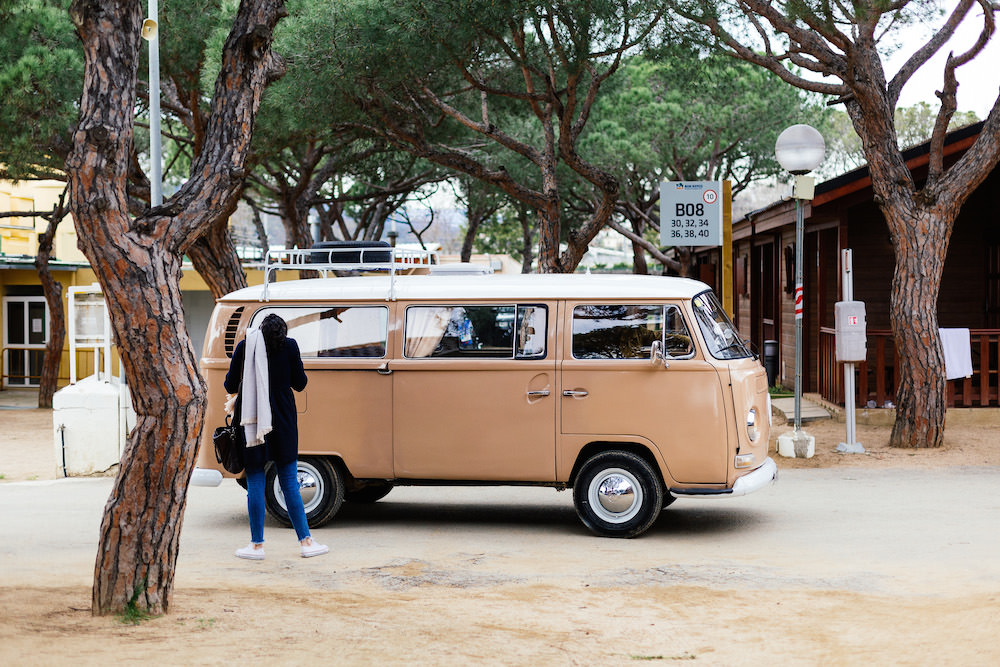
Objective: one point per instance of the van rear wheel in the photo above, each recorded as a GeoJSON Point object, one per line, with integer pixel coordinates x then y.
{"type": "Point", "coordinates": [618, 494]}
{"type": "Point", "coordinates": [322, 487]}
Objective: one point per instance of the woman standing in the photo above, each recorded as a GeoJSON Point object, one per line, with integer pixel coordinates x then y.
{"type": "Point", "coordinates": [269, 366]}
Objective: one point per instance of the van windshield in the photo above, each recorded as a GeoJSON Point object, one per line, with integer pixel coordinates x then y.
{"type": "Point", "coordinates": [723, 339]}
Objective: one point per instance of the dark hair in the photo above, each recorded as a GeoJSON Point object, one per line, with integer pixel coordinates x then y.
{"type": "Point", "coordinates": [274, 330]}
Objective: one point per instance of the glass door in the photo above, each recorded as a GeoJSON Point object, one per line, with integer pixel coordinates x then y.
{"type": "Point", "coordinates": [25, 333]}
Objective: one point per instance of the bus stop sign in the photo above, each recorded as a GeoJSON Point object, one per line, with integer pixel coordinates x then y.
{"type": "Point", "coordinates": [691, 213]}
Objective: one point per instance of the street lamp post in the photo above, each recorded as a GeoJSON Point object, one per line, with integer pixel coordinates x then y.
{"type": "Point", "coordinates": [150, 32]}
{"type": "Point", "coordinates": [799, 150]}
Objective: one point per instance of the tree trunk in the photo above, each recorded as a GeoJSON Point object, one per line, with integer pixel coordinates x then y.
{"type": "Point", "coordinates": [527, 239]}
{"type": "Point", "coordinates": [57, 316]}
{"type": "Point", "coordinates": [916, 283]}
{"type": "Point", "coordinates": [684, 255]}
{"type": "Point", "coordinates": [639, 265]}
{"type": "Point", "coordinates": [214, 257]}
{"type": "Point", "coordinates": [141, 529]}
{"type": "Point", "coordinates": [138, 264]}
{"type": "Point", "coordinates": [470, 237]}
{"type": "Point", "coordinates": [549, 219]}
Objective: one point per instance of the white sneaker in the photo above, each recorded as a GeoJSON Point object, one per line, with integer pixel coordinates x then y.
{"type": "Point", "coordinates": [314, 549]}
{"type": "Point", "coordinates": [250, 553]}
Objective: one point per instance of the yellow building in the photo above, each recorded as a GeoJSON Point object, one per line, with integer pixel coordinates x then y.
{"type": "Point", "coordinates": [24, 318]}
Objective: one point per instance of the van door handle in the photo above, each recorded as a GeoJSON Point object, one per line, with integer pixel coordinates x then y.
{"type": "Point", "coordinates": [384, 369]}
{"type": "Point", "coordinates": [575, 392]}
{"type": "Point", "coordinates": [539, 392]}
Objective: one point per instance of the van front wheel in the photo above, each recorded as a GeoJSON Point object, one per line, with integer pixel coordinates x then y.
{"type": "Point", "coordinates": [322, 487]}
{"type": "Point", "coordinates": [617, 494]}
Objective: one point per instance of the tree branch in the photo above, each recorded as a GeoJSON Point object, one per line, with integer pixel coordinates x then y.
{"type": "Point", "coordinates": [927, 51]}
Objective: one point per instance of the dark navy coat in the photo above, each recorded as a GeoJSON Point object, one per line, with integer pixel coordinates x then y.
{"type": "Point", "coordinates": [285, 373]}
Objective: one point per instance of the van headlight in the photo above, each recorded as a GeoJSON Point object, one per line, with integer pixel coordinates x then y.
{"type": "Point", "coordinates": [752, 431]}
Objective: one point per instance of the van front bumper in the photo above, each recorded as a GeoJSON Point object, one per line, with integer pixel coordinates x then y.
{"type": "Point", "coordinates": [209, 477]}
{"type": "Point", "coordinates": [763, 476]}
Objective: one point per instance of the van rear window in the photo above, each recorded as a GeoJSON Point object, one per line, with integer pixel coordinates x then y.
{"type": "Point", "coordinates": [492, 332]}
{"type": "Point", "coordinates": [334, 331]}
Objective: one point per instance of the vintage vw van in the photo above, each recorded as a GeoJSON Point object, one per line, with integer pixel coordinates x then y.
{"type": "Point", "coordinates": [631, 390]}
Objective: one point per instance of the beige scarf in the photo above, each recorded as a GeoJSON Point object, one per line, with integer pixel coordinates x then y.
{"type": "Point", "coordinates": [256, 390]}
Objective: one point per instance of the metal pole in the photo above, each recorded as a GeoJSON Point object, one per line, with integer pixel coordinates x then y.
{"type": "Point", "coordinates": [848, 295]}
{"type": "Point", "coordinates": [155, 150]}
{"type": "Point", "coordinates": [852, 446]}
{"type": "Point", "coordinates": [799, 234]}
{"type": "Point", "coordinates": [71, 302]}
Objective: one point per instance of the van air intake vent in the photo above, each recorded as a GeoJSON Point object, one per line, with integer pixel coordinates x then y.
{"type": "Point", "coordinates": [231, 328]}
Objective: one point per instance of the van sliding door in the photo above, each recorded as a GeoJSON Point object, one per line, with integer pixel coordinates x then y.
{"type": "Point", "coordinates": [474, 395]}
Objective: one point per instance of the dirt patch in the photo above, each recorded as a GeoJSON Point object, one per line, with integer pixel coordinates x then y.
{"type": "Point", "coordinates": [27, 449]}
{"type": "Point", "coordinates": [513, 624]}
{"type": "Point", "coordinates": [412, 612]}
{"type": "Point", "coordinates": [964, 445]}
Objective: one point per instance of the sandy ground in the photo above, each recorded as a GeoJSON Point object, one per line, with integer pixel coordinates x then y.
{"type": "Point", "coordinates": [410, 618]}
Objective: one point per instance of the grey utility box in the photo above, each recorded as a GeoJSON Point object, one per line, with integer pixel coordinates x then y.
{"type": "Point", "coordinates": [851, 331]}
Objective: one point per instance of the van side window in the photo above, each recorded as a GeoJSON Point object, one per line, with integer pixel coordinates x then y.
{"type": "Point", "coordinates": [628, 331]}
{"type": "Point", "coordinates": [334, 331]}
{"type": "Point", "coordinates": [492, 332]}
{"type": "Point", "coordinates": [676, 337]}
{"type": "Point", "coordinates": [531, 328]}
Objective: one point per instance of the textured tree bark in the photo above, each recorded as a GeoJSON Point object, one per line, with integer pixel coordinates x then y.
{"type": "Point", "coordinates": [920, 222]}
{"type": "Point", "coordinates": [470, 236]}
{"type": "Point", "coordinates": [527, 239]}
{"type": "Point", "coordinates": [214, 257]}
{"type": "Point", "coordinates": [138, 264]}
{"type": "Point", "coordinates": [920, 397]}
{"type": "Point", "coordinates": [549, 213]}
{"type": "Point", "coordinates": [57, 316]}
{"type": "Point", "coordinates": [639, 265]}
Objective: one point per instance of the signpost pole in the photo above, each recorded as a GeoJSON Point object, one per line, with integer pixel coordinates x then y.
{"type": "Point", "coordinates": [799, 238]}
{"type": "Point", "coordinates": [726, 289]}
{"type": "Point", "coordinates": [852, 446]}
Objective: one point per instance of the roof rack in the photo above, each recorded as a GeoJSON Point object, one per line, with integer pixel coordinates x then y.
{"type": "Point", "coordinates": [349, 256]}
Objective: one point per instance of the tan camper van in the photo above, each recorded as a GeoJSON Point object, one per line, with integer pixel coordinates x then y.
{"type": "Point", "coordinates": [631, 390]}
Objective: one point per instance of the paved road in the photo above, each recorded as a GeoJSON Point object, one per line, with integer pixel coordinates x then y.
{"type": "Point", "coordinates": [870, 531]}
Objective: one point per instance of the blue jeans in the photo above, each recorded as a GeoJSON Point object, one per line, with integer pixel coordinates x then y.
{"type": "Point", "coordinates": [289, 480]}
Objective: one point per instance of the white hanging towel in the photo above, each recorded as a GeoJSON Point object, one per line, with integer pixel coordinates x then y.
{"type": "Point", "coordinates": [256, 403]}
{"type": "Point", "coordinates": [957, 353]}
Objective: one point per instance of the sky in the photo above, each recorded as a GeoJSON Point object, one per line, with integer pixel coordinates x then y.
{"type": "Point", "coordinates": [979, 80]}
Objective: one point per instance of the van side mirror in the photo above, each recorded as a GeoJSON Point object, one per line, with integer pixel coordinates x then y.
{"type": "Point", "coordinates": [656, 356]}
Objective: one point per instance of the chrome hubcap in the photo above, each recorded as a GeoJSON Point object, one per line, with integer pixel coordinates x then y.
{"type": "Point", "coordinates": [615, 495]}
{"type": "Point", "coordinates": [310, 487]}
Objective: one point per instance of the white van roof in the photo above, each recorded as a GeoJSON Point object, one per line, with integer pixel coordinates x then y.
{"type": "Point", "coordinates": [518, 287]}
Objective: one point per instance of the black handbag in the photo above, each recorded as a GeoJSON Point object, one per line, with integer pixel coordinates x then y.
{"type": "Point", "coordinates": [230, 442]}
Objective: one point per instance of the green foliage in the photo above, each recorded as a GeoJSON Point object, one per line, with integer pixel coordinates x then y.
{"type": "Point", "coordinates": [133, 614]}
{"type": "Point", "coordinates": [41, 78]}
{"type": "Point", "coordinates": [678, 113]}
{"type": "Point", "coordinates": [914, 125]}
{"type": "Point", "coordinates": [501, 234]}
